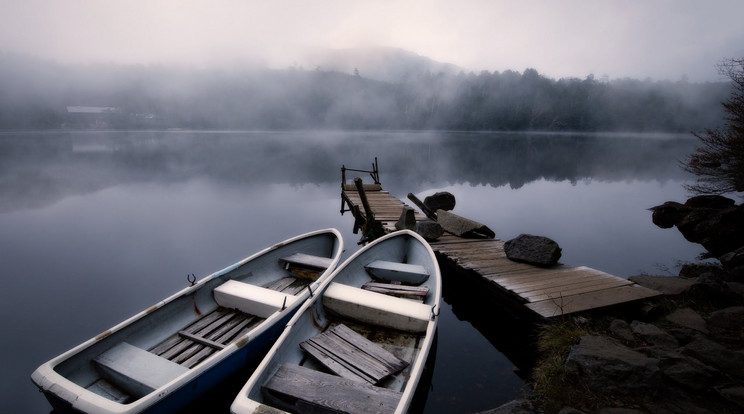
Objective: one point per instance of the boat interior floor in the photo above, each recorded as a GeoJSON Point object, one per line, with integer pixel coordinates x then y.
{"type": "Point", "coordinates": [187, 347]}
{"type": "Point", "coordinates": [287, 388]}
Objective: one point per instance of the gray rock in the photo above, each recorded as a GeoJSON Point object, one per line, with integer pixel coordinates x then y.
{"type": "Point", "coordinates": [461, 226]}
{"type": "Point", "coordinates": [733, 259]}
{"type": "Point", "coordinates": [537, 250]}
{"type": "Point", "coordinates": [689, 372]}
{"type": "Point", "coordinates": [570, 410]}
{"type": "Point", "coordinates": [619, 410]}
{"type": "Point", "coordinates": [512, 407]}
{"type": "Point", "coordinates": [734, 394]}
{"type": "Point", "coordinates": [429, 229]}
{"type": "Point", "coordinates": [716, 355]}
{"type": "Point", "coordinates": [688, 318]}
{"type": "Point", "coordinates": [621, 330]}
{"type": "Point", "coordinates": [674, 400]}
{"type": "Point", "coordinates": [653, 335]}
{"type": "Point", "coordinates": [668, 285]}
{"type": "Point", "coordinates": [716, 290]}
{"type": "Point", "coordinates": [440, 201]}
{"type": "Point", "coordinates": [608, 368]}
{"type": "Point", "coordinates": [730, 319]}
{"type": "Point", "coordinates": [667, 215]}
{"type": "Point", "coordinates": [407, 219]}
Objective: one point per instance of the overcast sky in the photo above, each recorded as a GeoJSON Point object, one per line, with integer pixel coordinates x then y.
{"type": "Point", "coordinates": [660, 39]}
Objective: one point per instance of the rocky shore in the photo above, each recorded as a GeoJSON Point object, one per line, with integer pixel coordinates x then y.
{"type": "Point", "coordinates": [682, 353]}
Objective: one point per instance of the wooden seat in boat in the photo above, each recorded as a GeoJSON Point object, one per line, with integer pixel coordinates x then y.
{"type": "Point", "coordinates": [393, 271]}
{"type": "Point", "coordinates": [306, 265]}
{"type": "Point", "coordinates": [137, 371]}
{"type": "Point", "coordinates": [377, 308]}
{"type": "Point", "coordinates": [252, 299]}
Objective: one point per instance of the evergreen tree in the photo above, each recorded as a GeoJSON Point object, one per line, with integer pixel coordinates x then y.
{"type": "Point", "coordinates": [719, 162]}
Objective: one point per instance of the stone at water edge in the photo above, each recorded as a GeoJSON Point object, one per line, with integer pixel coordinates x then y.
{"type": "Point", "coordinates": [609, 368]}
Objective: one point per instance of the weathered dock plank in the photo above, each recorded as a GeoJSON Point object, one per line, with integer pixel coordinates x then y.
{"type": "Point", "coordinates": [546, 292]}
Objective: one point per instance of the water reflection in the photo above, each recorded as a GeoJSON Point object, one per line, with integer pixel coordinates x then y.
{"type": "Point", "coordinates": [36, 169]}
{"type": "Point", "coordinates": [98, 226]}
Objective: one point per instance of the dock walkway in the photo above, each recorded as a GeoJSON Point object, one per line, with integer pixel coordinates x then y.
{"type": "Point", "coordinates": [546, 292]}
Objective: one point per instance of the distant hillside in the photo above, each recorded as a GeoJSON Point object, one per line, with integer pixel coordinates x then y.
{"type": "Point", "coordinates": [394, 89]}
{"type": "Point", "coordinates": [379, 63]}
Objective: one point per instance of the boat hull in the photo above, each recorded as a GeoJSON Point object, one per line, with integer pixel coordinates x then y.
{"type": "Point", "coordinates": [412, 342]}
{"type": "Point", "coordinates": [65, 380]}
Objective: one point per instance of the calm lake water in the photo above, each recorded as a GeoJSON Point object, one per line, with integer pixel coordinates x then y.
{"type": "Point", "coordinates": [95, 226]}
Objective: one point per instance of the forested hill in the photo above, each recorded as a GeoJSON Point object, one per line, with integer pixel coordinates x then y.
{"type": "Point", "coordinates": [36, 94]}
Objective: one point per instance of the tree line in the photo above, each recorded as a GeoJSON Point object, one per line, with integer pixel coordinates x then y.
{"type": "Point", "coordinates": [35, 94]}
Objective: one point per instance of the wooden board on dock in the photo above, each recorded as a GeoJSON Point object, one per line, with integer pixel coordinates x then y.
{"type": "Point", "coordinates": [547, 292]}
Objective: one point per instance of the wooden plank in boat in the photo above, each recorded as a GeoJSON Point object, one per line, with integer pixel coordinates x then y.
{"type": "Point", "coordinates": [280, 284]}
{"type": "Point", "coordinates": [337, 366]}
{"type": "Point", "coordinates": [345, 347]}
{"type": "Point", "coordinates": [186, 348]}
{"type": "Point", "coordinates": [221, 337]}
{"type": "Point", "coordinates": [302, 390]}
{"type": "Point", "coordinates": [308, 260]}
{"type": "Point", "coordinates": [194, 327]}
{"type": "Point", "coordinates": [402, 291]}
{"type": "Point", "coordinates": [201, 340]}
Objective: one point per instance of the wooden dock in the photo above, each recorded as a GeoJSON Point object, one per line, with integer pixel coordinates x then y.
{"type": "Point", "coordinates": [545, 292]}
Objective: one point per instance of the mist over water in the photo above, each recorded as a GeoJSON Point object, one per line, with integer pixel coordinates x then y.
{"type": "Point", "coordinates": [99, 225]}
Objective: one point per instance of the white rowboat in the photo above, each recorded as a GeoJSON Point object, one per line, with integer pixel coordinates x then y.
{"type": "Point", "coordinates": [351, 348]}
{"type": "Point", "coordinates": [166, 356]}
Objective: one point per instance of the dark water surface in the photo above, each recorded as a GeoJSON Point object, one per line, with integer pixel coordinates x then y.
{"type": "Point", "coordinates": [96, 226]}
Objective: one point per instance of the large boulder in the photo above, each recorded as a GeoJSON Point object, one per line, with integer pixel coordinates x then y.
{"type": "Point", "coordinates": [716, 355]}
{"type": "Point", "coordinates": [715, 222]}
{"type": "Point", "coordinates": [667, 215]}
{"type": "Point", "coordinates": [653, 335]}
{"type": "Point", "coordinates": [440, 201]}
{"type": "Point", "coordinates": [536, 250]}
{"type": "Point", "coordinates": [609, 368]}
